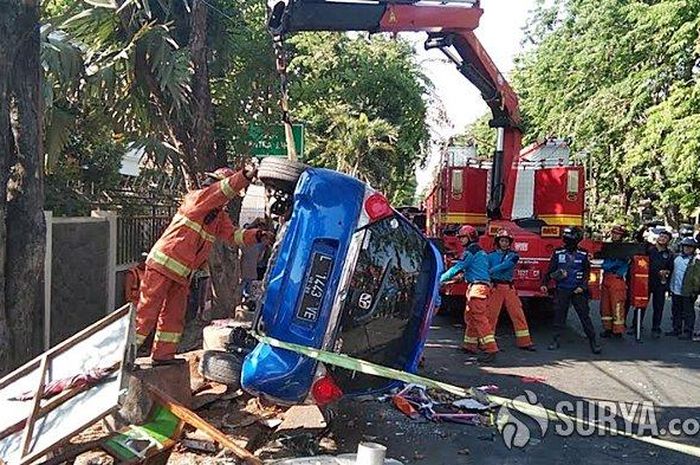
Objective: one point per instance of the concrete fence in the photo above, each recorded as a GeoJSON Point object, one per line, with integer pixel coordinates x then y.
{"type": "Point", "coordinates": [83, 277]}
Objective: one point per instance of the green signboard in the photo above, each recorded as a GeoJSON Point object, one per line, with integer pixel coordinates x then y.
{"type": "Point", "coordinates": [270, 141]}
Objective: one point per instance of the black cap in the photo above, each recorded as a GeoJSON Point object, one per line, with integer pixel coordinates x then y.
{"type": "Point", "coordinates": [688, 242]}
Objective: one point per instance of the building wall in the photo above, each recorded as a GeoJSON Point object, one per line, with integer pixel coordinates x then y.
{"type": "Point", "coordinates": [79, 275]}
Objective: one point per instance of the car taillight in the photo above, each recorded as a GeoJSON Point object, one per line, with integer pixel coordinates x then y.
{"type": "Point", "coordinates": [325, 391]}
{"type": "Point", "coordinates": [377, 207]}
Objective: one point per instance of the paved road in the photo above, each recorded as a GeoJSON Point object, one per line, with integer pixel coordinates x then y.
{"type": "Point", "coordinates": [663, 371]}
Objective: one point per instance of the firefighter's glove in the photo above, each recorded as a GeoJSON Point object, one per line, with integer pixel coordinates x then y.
{"type": "Point", "coordinates": [264, 237]}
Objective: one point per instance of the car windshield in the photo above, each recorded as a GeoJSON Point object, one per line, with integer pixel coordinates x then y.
{"type": "Point", "coordinates": [388, 296]}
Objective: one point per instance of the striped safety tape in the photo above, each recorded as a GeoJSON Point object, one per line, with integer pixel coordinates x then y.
{"type": "Point", "coordinates": [369, 368]}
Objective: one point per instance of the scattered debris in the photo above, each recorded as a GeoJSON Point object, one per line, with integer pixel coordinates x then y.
{"type": "Point", "coordinates": [416, 402]}
{"type": "Point", "coordinates": [193, 419]}
{"type": "Point", "coordinates": [271, 423]}
{"type": "Point", "coordinates": [533, 379]}
{"type": "Point", "coordinates": [308, 417]}
{"type": "Point", "coordinates": [212, 393]}
{"type": "Point", "coordinates": [199, 445]}
{"type": "Point", "coordinates": [470, 404]}
{"type": "Point", "coordinates": [488, 389]}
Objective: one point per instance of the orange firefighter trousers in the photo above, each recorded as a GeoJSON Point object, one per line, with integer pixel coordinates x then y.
{"type": "Point", "coordinates": [505, 294]}
{"type": "Point", "coordinates": [162, 304]}
{"type": "Point", "coordinates": [612, 303]}
{"type": "Point", "coordinates": [479, 332]}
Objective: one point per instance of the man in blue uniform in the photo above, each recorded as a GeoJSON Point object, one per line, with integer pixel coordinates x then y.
{"type": "Point", "coordinates": [570, 268]}
{"type": "Point", "coordinates": [660, 270]}
{"type": "Point", "coordinates": [475, 269]}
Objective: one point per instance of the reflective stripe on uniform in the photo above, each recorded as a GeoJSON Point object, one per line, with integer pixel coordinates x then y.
{"type": "Point", "coordinates": [170, 263]}
{"type": "Point", "coordinates": [606, 318]}
{"type": "Point", "coordinates": [194, 226]}
{"type": "Point", "coordinates": [164, 336]}
{"type": "Point", "coordinates": [522, 333]}
{"type": "Point", "coordinates": [239, 237]}
{"type": "Point", "coordinates": [140, 338]}
{"type": "Point", "coordinates": [226, 189]}
{"type": "Point", "coordinates": [470, 340]}
{"type": "Point", "coordinates": [488, 339]}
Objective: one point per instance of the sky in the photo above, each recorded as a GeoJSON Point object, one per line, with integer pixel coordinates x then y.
{"type": "Point", "coordinates": [500, 32]}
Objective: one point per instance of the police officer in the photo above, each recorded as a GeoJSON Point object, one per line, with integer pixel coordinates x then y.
{"type": "Point", "coordinates": [660, 269]}
{"type": "Point", "coordinates": [570, 268]}
{"type": "Point", "coordinates": [475, 268]}
{"type": "Point", "coordinates": [614, 293]}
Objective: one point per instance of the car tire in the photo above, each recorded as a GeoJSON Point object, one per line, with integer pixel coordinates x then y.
{"type": "Point", "coordinates": [218, 336]}
{"type": "Point", "coordinates": [222, 367]}
{"type": "Point", "coordinates": [280, 173]}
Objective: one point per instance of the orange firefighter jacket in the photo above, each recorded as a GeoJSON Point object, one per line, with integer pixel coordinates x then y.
{"type": "Point", "coordinates": [186, 243]}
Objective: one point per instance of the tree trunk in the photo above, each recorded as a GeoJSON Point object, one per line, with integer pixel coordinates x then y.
{"type": "Point", "coordinates": [24, 218]}
{"type": "Point", "coordinates": [6, 149]}
{"type": "Point", "coordinates": [225, 271]}
{"type": "Point", "coordinates": [193, 135]}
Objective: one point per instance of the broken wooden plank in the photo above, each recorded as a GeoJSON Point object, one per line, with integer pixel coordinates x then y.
{"type": "Point", "coordinates": [36, 403]}
{"type": "Point", "coordinates": [188, 416]}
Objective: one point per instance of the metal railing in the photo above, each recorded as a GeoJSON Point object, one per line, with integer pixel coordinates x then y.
{"type": "Point", "coordinates": [137, 234]}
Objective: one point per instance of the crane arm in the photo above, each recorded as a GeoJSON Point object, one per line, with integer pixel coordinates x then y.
{"type": "Point", "coordinates": [450, 25]}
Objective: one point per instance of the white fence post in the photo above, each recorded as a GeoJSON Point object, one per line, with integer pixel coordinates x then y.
{"type": "Point", "coordinates": [111, 218]}
{"type": "Point", "coordinates": [48, 261]}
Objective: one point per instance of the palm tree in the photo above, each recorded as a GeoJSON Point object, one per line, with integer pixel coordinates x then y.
{"type": "Point", "coordinates": [361, 147]}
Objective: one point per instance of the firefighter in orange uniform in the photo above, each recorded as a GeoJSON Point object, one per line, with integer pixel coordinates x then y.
{"type": "Point", "coordinates": [614, 293]}
{"type": "Point", "coordinates": [474, 266]}
{"type": "Point", "coordinates": [183, 248]}
{"type": "Point", "coordinates": [502, 263]}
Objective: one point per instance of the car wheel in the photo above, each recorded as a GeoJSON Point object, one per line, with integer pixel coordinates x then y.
{"type": "Point", "coordinates": [280, 173]}
{"type": "Point", "coordinates": [217, 337]}
{"type": "Point", "coordinates": [221, 367]}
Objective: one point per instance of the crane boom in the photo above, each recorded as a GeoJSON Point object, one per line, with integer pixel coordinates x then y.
{"type": "Point", "coordinates": [450, 25]}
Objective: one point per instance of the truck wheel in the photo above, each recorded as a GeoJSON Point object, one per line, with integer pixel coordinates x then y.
{"type": "Point", "coordinates": [280, 173]}
{"type": "Point", "coordinates": [222, 367]}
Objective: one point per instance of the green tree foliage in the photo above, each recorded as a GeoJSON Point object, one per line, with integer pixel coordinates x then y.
{"type": "Point", "coordinates": [622, 79]}
{"type": "Point", "coordinates": [88, 166]}
{"type": "Point", "coordinates": [363, 100]}
{"type": "Point", "coordinates": [478, 133]}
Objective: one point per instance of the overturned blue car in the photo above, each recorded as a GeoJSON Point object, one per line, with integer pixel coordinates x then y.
{"type": "Point", "coordinates": [348, 274]}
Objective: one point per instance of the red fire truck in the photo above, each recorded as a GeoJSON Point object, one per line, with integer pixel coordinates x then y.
{"type": "Point", "coordinates": [542, 192]}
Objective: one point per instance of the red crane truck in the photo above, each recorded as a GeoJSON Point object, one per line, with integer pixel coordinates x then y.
{"type": "Point", "coordinates": [557, 191]}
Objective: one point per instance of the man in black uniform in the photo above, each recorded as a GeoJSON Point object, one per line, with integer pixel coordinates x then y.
{"type": "Point", "coordinates": [570, 268]}
{"type": "Point", "coordinates": [660, 269]}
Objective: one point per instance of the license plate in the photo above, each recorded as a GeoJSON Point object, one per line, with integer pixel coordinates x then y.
{"type": "Point", "coordinates": [315, 287]}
